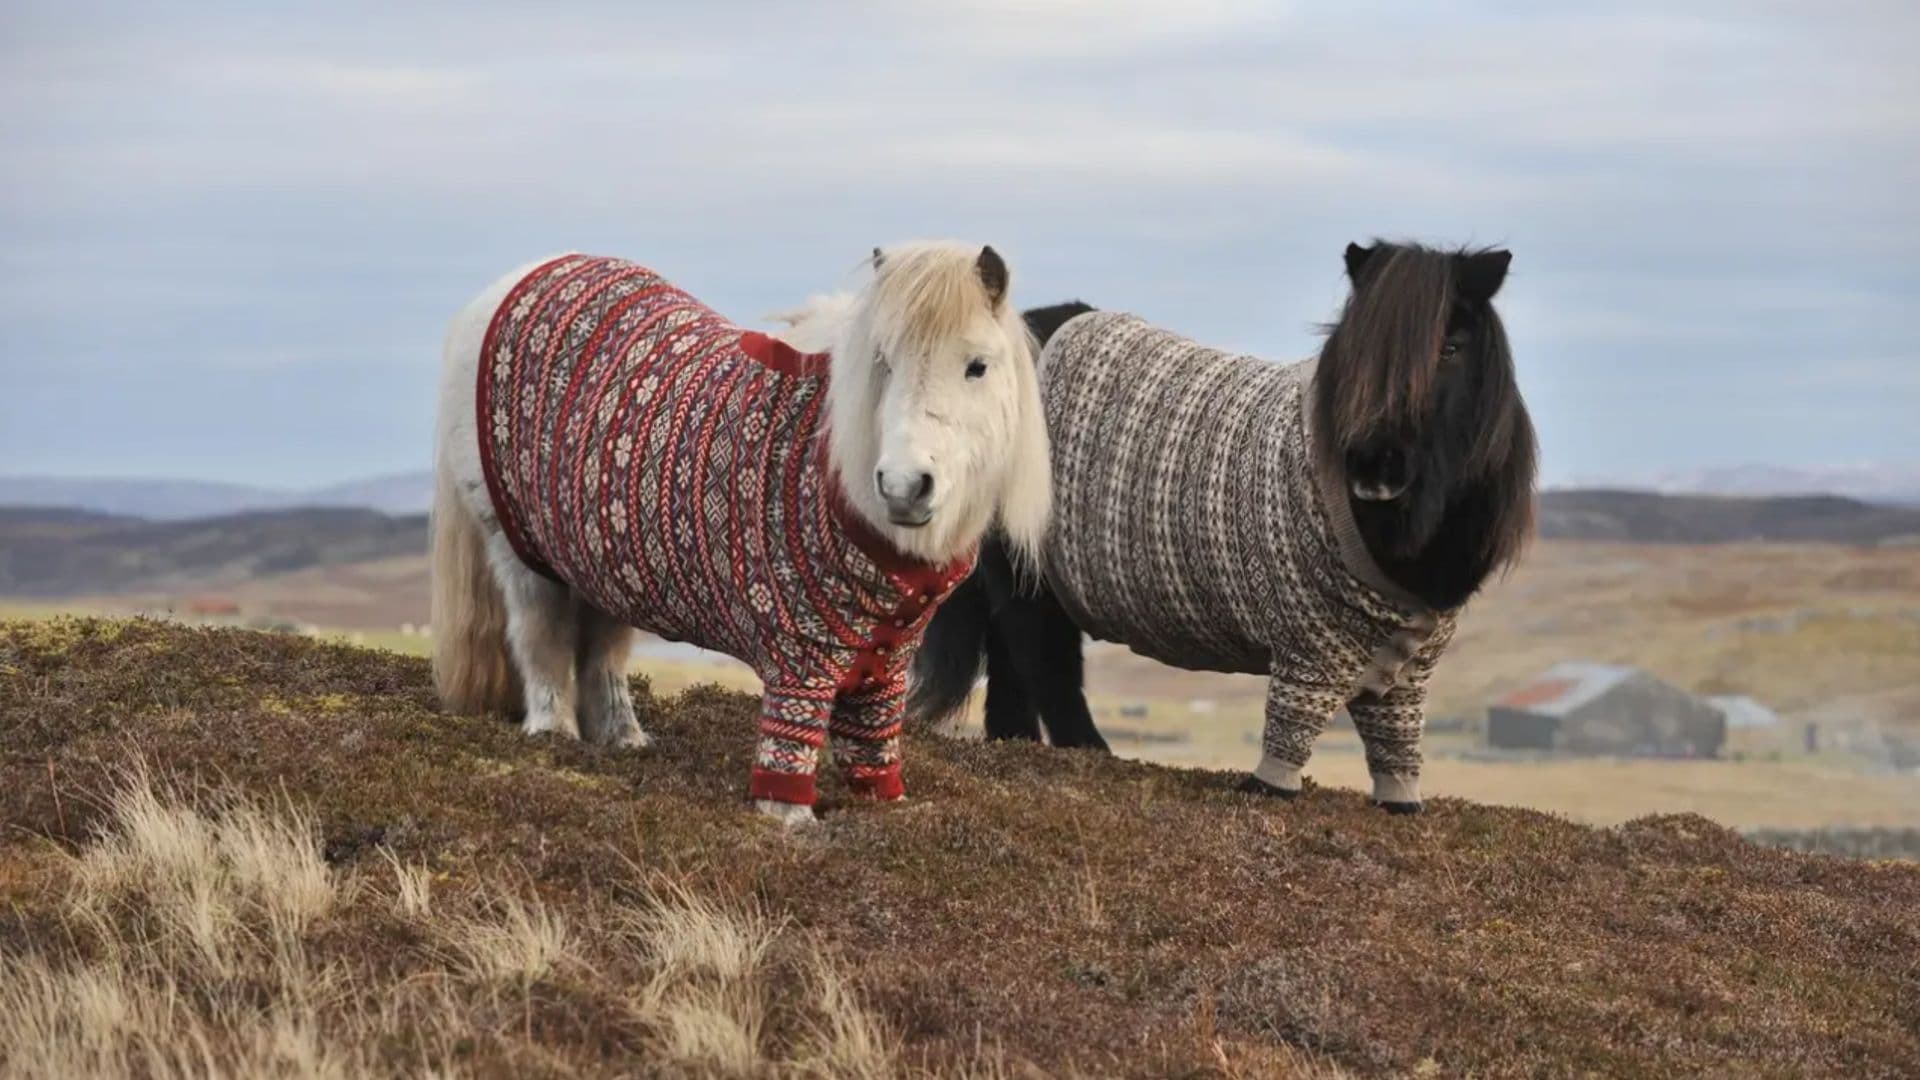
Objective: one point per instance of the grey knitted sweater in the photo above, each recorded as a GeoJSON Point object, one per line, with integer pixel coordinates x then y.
{"type": "Point", "coordinates": [1193, 522]}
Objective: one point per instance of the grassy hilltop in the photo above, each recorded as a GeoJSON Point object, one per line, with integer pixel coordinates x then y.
{"type": "Point", "coordinates": [256, 854]}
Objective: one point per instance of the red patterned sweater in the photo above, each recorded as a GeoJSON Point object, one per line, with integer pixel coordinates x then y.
{"type": "Point", "coordinates": [670, 468]}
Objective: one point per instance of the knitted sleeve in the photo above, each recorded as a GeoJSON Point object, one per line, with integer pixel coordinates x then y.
{"type": "Point", "coordinates": [1297, 710]}
{"type": "Point", "coordinates": [1390, 724]}
{"type": "Point", "coordinates": [866, 738]}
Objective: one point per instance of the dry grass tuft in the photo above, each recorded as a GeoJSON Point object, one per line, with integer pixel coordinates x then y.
{"type": "Point", "coordinates": [203, 879]}
{"type": "Point", "coordinates": [412, 887]}
{"type": "Point", "coordinates": [194, 913]}
{"type": "Point", "coordinates": [733, 993]}
{"type": "Point", "coordinates": [116, 1018]}
{"type": "Point", "coordinates": [849, 1040]}
{"type": "Point", "coordinates": [519, 941]}
{"type": "Point", "coordinates": [196, 918]}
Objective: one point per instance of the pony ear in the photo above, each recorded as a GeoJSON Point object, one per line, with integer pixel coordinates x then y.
{"type": "Point", "coordinates": [1357, 257]}
{"type": "Point", "coordinates": [1480, 274]}
{"type": "Point", "coordinates": [993, 275]}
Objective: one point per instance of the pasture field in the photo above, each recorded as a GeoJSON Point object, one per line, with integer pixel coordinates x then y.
{"type": "Point", "coordinates": [255, 853]}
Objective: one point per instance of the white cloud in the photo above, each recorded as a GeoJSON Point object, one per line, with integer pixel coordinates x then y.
{"type": "Point", "coordinates": [988, 30]}
{"type": "Point", "coordinates": [351, 83]}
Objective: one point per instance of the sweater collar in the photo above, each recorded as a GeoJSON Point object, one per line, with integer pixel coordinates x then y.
{"type": "Point", "coordinates": [912, 574]}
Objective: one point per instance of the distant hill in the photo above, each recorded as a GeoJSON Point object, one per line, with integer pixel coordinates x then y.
{"type": "Point", "coordinates": [397, 493]}
{"type": "Point", "coordinates": [46, 553]}
{"type": "Point", "coordinates": [49, 552]}
{"type": "Point", "coordinates": [180, 500]}
{"type": "Point", "coordinates": [1651, 517]}
{"type": "Point", "coordinates": [1798, 491]}
{"type": "Point", "coordinates": [1880, 483]}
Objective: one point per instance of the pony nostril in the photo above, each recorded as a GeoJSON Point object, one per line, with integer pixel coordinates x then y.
{"type": "Point", "coordinates": [905, 489]}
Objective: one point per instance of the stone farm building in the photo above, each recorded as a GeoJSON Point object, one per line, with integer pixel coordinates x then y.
{"type": "Point", "coordinates": [1584, 708]}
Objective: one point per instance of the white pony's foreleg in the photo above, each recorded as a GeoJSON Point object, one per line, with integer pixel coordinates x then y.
{"type": "Point", "coordinates": [793, 728]}
{"type": "Point", "coordinates": [540, 634]}
{"type": "Point", "coordinates": [606, 703]}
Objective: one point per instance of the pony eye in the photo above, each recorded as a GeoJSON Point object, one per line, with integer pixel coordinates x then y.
{"type": "Point", "coordinates": [976, 367]}
{"type": "Point", "coordinates": [1449, 350]}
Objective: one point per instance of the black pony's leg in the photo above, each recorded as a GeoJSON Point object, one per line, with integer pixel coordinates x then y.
{"type": "Point", "coordinates": [1046, 649]}
{"type": "Point", "coordinates": [1010, 712]}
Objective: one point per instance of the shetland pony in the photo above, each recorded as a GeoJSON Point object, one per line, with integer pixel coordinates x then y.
{"type": "Point", "coordinates": [611, 453]}
{"type": "Point", "coordinates": [1413, 405]}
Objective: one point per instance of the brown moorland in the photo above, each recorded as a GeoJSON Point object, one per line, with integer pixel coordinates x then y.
{"type": "Point", "coordinates": [1027, 912]}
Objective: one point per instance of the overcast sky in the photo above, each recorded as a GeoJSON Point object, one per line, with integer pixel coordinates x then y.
{"type": "Point", "coordinates": [230, 240]}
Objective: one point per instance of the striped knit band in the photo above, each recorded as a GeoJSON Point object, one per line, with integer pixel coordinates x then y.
{"type": "Point", "coordinates": [1284, 775]}
{"type": "Point", "coordinates": [880, 783]}
{"type": "Point", "coordinates": [1396, 789]}
{"type": "Point", "coordinates": [780, 787]}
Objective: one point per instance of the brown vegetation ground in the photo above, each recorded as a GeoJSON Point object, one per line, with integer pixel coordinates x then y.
{"type": "Point", "coordinates": [1027, 912]}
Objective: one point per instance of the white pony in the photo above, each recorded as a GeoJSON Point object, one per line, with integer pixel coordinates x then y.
{"type": "Point", "coordinates": [611, 453]}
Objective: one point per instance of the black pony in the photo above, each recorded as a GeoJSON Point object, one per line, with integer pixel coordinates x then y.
{"type": "Point", "coordinates": [1414, 398]}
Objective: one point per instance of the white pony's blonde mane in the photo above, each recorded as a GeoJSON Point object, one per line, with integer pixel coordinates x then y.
{"type": "Point", "coordinates": [815, 325]}
{"type": "Point", "coordinates": [920, 295]}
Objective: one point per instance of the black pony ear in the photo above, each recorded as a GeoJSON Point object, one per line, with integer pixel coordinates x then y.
{"type": "Point", "coordinates": [1357, 257]}
{"type": "Point", "coordinates": [877, 258]}
{"type": "Point", "coordinates": [1480, 274]}
{"type": "Point", "coordinates": [993, 274]}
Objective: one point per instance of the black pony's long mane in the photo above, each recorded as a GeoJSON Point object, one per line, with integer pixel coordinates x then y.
{"type": "Point", "coordinates": [1471, 513]}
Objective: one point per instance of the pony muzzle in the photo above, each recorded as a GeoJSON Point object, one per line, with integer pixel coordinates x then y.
{"type": "Point", "coordinates": [1379, 475]}
{"type": "Point", "coordinates": [908, 495]}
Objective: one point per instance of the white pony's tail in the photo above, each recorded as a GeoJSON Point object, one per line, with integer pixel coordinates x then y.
{"type": "Point", "coordinates": [471, 669]}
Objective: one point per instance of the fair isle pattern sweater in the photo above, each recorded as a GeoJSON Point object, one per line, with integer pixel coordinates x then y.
{"type": "Point", "coordinates": [669, 467]}
{"type": "Point", "coordinates": [1193, 522]}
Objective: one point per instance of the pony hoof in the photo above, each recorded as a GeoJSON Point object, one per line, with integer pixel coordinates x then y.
{"type": "Point", "coordinates": [1253, 785]}
{"type": "Point", "coordinates": [549, 725]}
{"type": "Point", "coordinates": [1399, 807]}
{"type": "Point", "coordinates": [632, 739]}
{"type": "Point", "coordinates": [792, 815]}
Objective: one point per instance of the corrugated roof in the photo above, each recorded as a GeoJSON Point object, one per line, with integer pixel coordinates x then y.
{"type": "Point", "coordinates": [1565, 687]}
{"type": "Point", "coordinates": [1537, 691]}
{"type": "Point", "coordinates": [1742, 711]}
